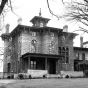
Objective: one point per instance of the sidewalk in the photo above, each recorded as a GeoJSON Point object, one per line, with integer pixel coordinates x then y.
{"type": "Point", "coordinates": [6, 81]}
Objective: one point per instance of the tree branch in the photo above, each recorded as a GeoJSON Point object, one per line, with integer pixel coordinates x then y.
{"type": "Point", "coordinates": [12, 8]}
{"type": "Point", "coordinates": [2, 5]}
{"type": "Point", "coordinates": [51, 10]}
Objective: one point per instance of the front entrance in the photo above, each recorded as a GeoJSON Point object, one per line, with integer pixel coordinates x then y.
{"type": "Point", "coordinates": [52, 67]}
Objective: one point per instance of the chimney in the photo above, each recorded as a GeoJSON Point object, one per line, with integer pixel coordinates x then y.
{"type": "Point", "coordinates": [7, 28]}
{"type": "Point", "coordinates": [81, 41]}
{"type": "Point", "coordinates": [19, 21]}
{"type": "Point", "coordinates": [65, 28]}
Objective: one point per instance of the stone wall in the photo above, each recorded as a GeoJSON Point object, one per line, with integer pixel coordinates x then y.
{"type": "Point", "coordinates": [6, 43]}
{"type": "Point", "coordinates": [67, 42]}
{"type": "Point", "coordinates": [44, 43]}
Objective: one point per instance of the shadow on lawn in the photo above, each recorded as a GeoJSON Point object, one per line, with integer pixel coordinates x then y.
{"type": "Point", "coordinates": [22, 86]}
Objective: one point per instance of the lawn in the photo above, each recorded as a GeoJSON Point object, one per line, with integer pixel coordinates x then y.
{"type": "Point", "coordinates": [50, 83]}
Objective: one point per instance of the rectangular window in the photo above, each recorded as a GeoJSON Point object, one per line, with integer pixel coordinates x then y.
{"type": "Point", "coordinates": [9, 66]}
{"type": "Point", "coordinates": [33, 64]}
{"type": "Point", "coordinates": [33, 34]}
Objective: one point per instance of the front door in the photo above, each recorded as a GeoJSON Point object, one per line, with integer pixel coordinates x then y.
{"type": "Point", "coordinates": [52, 67]}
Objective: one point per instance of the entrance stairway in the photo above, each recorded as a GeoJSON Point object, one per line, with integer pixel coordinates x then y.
{"type": "Point", "coordinates": [53, 76]}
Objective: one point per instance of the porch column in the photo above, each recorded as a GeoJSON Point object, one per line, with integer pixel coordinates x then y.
{"type": "Point", "coordinates": [57, 69]}
{"type": "Point", "coordinates": [20, 64]}
{"type": "Point", "coordinates": [45, 63]}
{"type": "Point", "coordinates": [28, 62]}
{"type": "Point", "coordinates": [59, 66]}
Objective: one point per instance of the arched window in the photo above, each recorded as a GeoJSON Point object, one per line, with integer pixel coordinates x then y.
{"type": "Point", "coordinates": [8, 67]}
{"type": "Point", "coordinates": [67, 55]}
{"type": "Point", "coordinates": [64, 51]}
{"type": "Point", "coordinates": [33, 42]}
{"type": "Point", "coordinates": [33, 46]}
{"type": "Point", "coordinates": [51, 47]}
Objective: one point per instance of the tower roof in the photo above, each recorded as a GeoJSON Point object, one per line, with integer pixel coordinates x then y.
{"type": "Point", "coordinates": [39, 21]}
{"type": "Point", "coordinates": [40, 18]}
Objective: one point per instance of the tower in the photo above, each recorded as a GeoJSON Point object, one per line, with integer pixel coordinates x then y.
{"type": "Point", "coordinates": [39, 21]}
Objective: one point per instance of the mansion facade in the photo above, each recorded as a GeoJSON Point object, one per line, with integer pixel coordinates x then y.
{"type": "Point", "coordinates": [39, 47]}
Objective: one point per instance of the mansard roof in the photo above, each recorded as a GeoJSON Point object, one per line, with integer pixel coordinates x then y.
{"type": "Point", "coordinates": [39, 17]}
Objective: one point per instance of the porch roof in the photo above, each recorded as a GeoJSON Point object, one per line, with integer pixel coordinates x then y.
{"type": "Point", "coordinates": [42, 55]}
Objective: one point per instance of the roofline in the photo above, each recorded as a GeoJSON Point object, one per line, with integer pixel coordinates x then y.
{"type": "Point", "coordinates": [40, 18]}
{"type": "Point", "coordinates": [85, 42]}
{"type": "Point", "coordinates": [35, 28]}
{"type": "Point", "coordinates": [70, 33]}
{"type": "Point", "coordinates": [42, 55]}
{"type": "Point", "coordinates": [80, 48]}
{"type": "Point", "coordinates": [18, 28]}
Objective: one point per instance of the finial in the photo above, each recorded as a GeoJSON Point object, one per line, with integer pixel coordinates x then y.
{"type": "Point", "coordinates": [40, 12]}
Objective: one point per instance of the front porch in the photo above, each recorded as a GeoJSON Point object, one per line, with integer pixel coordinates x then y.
{"type": "Point", "coordinates": [44, 62]}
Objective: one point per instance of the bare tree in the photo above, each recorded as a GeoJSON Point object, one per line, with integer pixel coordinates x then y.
{"type": "Point", "coordinates": [3, 2]}
{"type": "Point", "coordinates": [5, 6]}
{"type": "Point", "coordinates": [77, 11]}
{"type": "Point", "coordinates": [51, 10]}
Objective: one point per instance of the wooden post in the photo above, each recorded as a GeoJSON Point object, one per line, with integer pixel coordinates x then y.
{"type": "Point", "coordinates": [29, 62]}
{"type": "Point", "coordinates": [56, 66]}
{"type": "Point", "coordinates": [45, 63]}
{"type": "Point", "coordinates": [20, 64]}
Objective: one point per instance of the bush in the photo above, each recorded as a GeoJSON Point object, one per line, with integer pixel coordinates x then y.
{"type": "Point", "coordinates": [86, 73]}
{"type": "Point", "coordinates": [8, 77]}
{"type": "Point", "coordinates": [3, 86]}
{"type": "Point", "coordinates": [44, 76]}
{"type": "Point", "coordinates": [66, 76]}
{"type": "Point", "coordinates": [20, 76]}
{"type": "Point", "coordinates": [30, 77]}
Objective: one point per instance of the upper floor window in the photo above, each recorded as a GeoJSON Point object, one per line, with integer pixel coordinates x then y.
{"type": "Point", "coordinates": [33, 46]}
{"type": "Point", "coordinates": [41, 24]}
{"type": "Point", "coordinates": [77, 56]}
{"type": "Point", "coordinates": [10, 39]}
{"type": "Point", "coordinates": [63, 38]}
{"type": "Point", "coordinates": [51, 47]}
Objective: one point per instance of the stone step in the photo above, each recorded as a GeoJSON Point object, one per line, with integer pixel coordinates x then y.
{"type": "Point", "coordinates": [53, 76]}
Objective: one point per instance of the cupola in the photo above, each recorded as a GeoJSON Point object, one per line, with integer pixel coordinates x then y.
{"type": "Point", "coordinates": [39, 21]}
